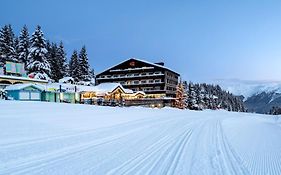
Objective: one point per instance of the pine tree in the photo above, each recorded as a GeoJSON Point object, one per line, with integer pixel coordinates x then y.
{"type": "Point", "coordinates": [74, 70]}
{"type": "Point", "coordinates": [191, 97]}
{"type": "Point", "coordinates": [57, 60]}
{"type": "Point", "coordinates": [62, 61]}
{"type": "Point", "coordinates": [16, 47]}
{"type": "Point", "coordinates": [38, 66]}
{"type": "Point", "coordinates": [7, 50]}
{"type": "Point", "coordinates": [199, 97]}
{"type": "Point", "coordinates": [84, 65]}
{"type": "Point", "coordinates": [52, 59]}
{"type": "Point", "coordinates": [23, 47]}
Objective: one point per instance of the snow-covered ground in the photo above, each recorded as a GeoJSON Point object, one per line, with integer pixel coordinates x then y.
{"type": "Point", "coordinates": [48, 138]}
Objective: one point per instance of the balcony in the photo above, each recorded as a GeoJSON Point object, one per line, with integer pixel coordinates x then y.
{"type": "Point", "coordinates": [144, 83]}
{"type": "Point", "coordinates": [130, 69]}
{"type": "Point", "coordinates": [141, 75]}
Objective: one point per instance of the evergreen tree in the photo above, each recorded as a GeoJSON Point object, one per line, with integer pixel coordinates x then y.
{"type": "Point", "coordinates": [52, 59]}
{"type": "Point", "coordinates": [23, 47]}
{"type": "Point", "coordinates": [62, 61]}
{"type": "Point", "coordinates": [38, 66]}
{"type": "Point", "coordinates": [16, 47]}
{"type": "Point", "coordinates": [7, 50]}
{"type": "Point", "coordinates": [84, 65]}
{"type": "Point", "coordinates": [74, 70]}
{"type": "Point", "coordinates": [57, 60]}
{"type": "Point", "coordinates": [199, 97]}
{"type": "Point", "coordinates": [191, 97]}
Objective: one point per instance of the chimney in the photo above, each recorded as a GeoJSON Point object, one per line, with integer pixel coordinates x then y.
{"type": "Point", "coordinates": [160, 63]}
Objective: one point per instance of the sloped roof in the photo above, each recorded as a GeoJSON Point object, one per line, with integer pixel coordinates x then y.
{"type": "Point", "coordinates": [141, 60]}
{"type": "Point", "coordinates": [109, 87]}
{"type": "Point", "coordinates": [22, 86]}
{"type": "Point", "coordinates": [22, 78]}
{"type": "Point", "coordinates": [101, 88]}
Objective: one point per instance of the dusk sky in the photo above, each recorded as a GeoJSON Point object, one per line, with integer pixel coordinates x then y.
{"type": "Point", "coordinates": [202, 40]}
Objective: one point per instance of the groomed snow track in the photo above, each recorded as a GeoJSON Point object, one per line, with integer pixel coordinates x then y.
{"type": "Point", "coordinates": [47, 138]}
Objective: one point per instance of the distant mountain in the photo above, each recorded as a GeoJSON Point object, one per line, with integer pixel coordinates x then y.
{"type": "Point", "coordinates": [259, 96]}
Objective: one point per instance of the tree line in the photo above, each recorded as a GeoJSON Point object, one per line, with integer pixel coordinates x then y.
{"type": "Point", "coordinates": [201, 96]}
{"type": "Point", "coordinates": [43, 59]}
{"type": "Point", "coordinates": [275, 110]}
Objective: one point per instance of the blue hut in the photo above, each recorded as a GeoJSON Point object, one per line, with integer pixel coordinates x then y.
{"type": "Point", "coordinates": [24, 92]}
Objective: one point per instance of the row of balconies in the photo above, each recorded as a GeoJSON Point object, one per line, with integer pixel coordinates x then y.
{"type": "Point", "coordinates": [148, 89]}
{"type": "Point", "coordinates": [148, 74]}
{"type": "Point", "coordinates": [141, 82]}
{"type": "Point", "coordinates": [130, 69]}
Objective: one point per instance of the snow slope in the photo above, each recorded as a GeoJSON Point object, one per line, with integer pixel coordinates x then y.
{"type": "Point", "coordinates": [49, 138]}
{"type": "Point", "coordinates": [248, 88]}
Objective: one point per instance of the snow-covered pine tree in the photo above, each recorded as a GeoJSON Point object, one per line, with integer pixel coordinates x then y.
{"type": "Point", "coordinates": [52, 59]}
{"type": "Point", "coordinates": [23, 46]}
{"type": "Point", "coordinates": [16, 47]}
{"type": "Point", "coordinates": [191, 97]}
{"type": "Point", "coordinates": [84, 65]}
{"type": "Point", "coordinates": [57, 60]}
{"type": "Point", "coordinates": [7, 50]}
{"type": "Point", "coordinates": [199, 96]}
{"type": "Point", "coordinates": [62, 61]}
{"type": "Point", "coordinates": [38, 66]}
{"type": "Point", "coordinates": [74, 70]}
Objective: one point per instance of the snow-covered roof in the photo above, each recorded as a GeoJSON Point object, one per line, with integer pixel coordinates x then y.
{"type": "Point", "coordinates": [139, 92]}
{"type": "Point", "coordinates": [66, 80]}
{"type": "Point", "coordinates": [101, 88]}
{"type": "Point", "coordinates": [22, 78]}
{"type": "Point", "coordinates": [109, 87]}
{"type": "Point", "coordinates": [141, 60]}
{"type": "Point", "coordinates": [22, 86]}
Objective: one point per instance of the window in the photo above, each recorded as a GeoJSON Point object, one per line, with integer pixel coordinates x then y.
{"type": "Point", "coordinates": [150, 81]}
{"type": "Point", "coordinates": [143, 81]}
{"type": "Point", "coordinates": [136, 82]}
{"type": "Point", "coordinates": [143, 74]}
{"type": "Point", "coordinates": [157, 81]}
{"type": "Point", "coordinates": [136, 75]}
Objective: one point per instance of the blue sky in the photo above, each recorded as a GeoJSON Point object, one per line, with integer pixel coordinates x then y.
{"type": "Point", "coordinates": [202, 40]}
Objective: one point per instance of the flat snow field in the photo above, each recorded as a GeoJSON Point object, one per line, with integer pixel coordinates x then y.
{"type": "Point", "coordinates": [49, 138]}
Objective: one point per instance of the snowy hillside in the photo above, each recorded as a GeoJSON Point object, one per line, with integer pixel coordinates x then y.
{"type": "Point", "coordinates": [259, 96]}
{"type": "Point", "coordinates": [249, 88]}
{"type": "Point", "coordinates": [48, 138]}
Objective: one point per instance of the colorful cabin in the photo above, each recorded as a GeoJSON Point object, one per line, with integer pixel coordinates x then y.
{"type": "Point", "coordinates": [24, 92]}
{"type": "Point", "coordinates": [57, 92]}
